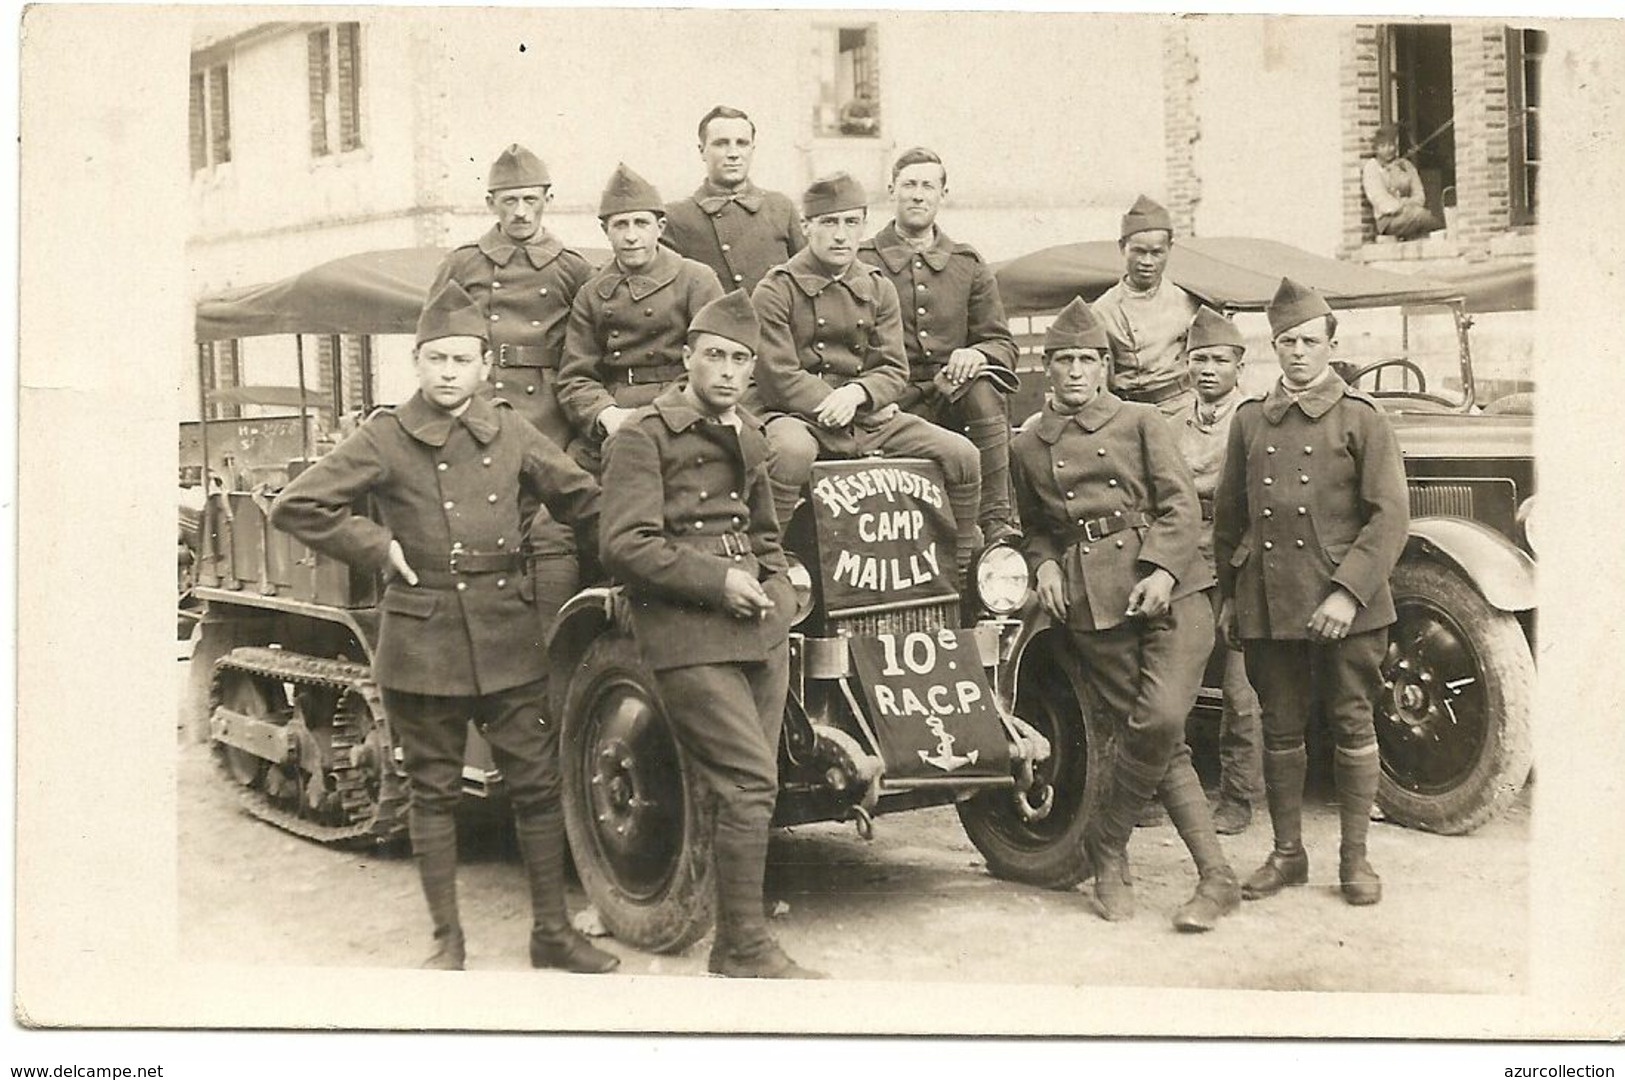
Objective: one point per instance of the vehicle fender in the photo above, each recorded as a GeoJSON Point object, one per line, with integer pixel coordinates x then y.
{"type": "Point", "coordinates": [1504, 574]}
{"type": "Point", "coordinates": [581, 620]}
{"type": "Point", "coordinates": [1035, 623]}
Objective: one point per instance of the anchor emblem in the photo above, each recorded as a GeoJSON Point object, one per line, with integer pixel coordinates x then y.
{"type": "Point", "coordinates": [946, 759]}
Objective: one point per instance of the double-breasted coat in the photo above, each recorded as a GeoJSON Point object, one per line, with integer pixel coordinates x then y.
{"type": "Point", "coordinates": [686, 501]}
{"type": "Point", "coordinates": [1104, 493]}
{"type": "Point", "coordinates": [525, 290]}
{"type": "Point", "coordinates": [820, 333]}
{"type": "Point", "coordinates": [450, 490]}
{"type": "Point", "coordinates": [740, 234]}
{"type": "Point", "coordinates": [949, 301]}
{"type": "Point", "coordinates": [626, 332]}
{"type": "Point", "coordinates": [1312, 497]}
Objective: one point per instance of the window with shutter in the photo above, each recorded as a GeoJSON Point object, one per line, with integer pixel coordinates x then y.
{"type": "Point", "coordinates": [199, 134]}
{"type": "Point", "coordinates": [317, 69]}
{"type": "Point", "coordinates": [219, 115]}
{"type": "Point", "coordinates": [1525, 51]}
{"type": "Point", "coordinates": [349, 85]}
{"type": "Point", "coordinates": [333, 63]}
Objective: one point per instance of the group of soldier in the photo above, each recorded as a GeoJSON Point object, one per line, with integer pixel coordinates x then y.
{"type": "Point", "coordinates": [654, 421]}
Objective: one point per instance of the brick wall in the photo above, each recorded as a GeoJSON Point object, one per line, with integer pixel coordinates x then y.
{"type": "Point", "coordinates": [1483, 197]}
{"type": "Point", "coordinates": [1361, 101]}
{"type": "Point", "coordinates": [1181, 126]}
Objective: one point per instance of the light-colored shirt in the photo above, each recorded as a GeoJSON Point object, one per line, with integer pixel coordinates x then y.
{"type": "Point", "coordinates": [1202, 438]}
{"type": "Point", "coordinates": [1147, 334]}
{"type": "Point", "coordinates": [1390, 188]}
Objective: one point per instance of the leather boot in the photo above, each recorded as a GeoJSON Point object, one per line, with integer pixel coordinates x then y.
{"type": "Point", "coordinates": [1357, 774]}
{"type": "Point", "coordinates": [744, 949]}
{"type": "Point", "coordinates": [1288, 864]}
{"type": "Point", "coordinates": [554, 943]}
{"type": "Point", "coordinates": [991, 437]}
{"type": "Point", "coordinates": [1217, 895]}
{"type": "Point", "coordinates": [434, 848]}
{"type": "Point", "coordinates": [1131, 785]}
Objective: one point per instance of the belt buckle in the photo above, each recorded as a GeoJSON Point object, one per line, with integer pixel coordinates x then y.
{"type": "Point", "coordinates": [452, 562]}
{"type": "Point", "coordinates": [502, 355]}
{"type": "Point", "coordinates": [734, 544]}
{"type": "Point", "coordinates": [1089, 532]}
{"type": "Point", "coordinates": [629, 380]}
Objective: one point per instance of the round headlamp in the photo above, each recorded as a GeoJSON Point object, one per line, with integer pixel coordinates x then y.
{"type": "Point", "coordinates": [1002, 578]}
{"type": "Point", "coordinates": [1529, 522]}
{"type": "Point", "coordinates": [801, 581]}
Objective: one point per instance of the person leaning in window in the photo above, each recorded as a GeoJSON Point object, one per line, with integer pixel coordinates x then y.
{"type": "Point", "coordinates": [1394, 189]}
{"type": "Point", "coordinates": [1311, 515]}
{"type": "Point", "coordinates": [1111, 522]}
{"type": "Point", "coordinates": [460, 638]}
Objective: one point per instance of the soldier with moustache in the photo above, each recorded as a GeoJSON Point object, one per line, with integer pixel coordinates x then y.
{"type": "Point", "coordinates": [450, 471]}
{"type": "Point", "coordinates": [624, 340]}
{"type": "Point", "coordinates": [689, 529]}
{"type": "Point", "coordinates": [833, 363]}
{"type": "Point", "coordinates": [1311, 515]}
{"type": "Point", "coordinates": [961, 357]}
{"type": "Point", "coordinates": [739, 230]}
{"type": "Point", "coordinates": [524, 280]}
{"type": "Point", "coordinates": [1146, 315]}
{"type": "Point", "coordinates": [1111, 521]}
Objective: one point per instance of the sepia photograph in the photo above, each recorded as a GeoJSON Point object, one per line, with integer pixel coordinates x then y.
{"type": "Point", "coordinates": [1016, 519]}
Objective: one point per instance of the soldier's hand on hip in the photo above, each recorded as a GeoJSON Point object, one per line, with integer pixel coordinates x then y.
{"type": "Point", "coordinates": [1334, 616]}
{"type": "Point", "coordinates": [1150, 595]}
{"type": "Point", "coordinates": [398, 563]}
{"type": "Point", "coordinates": [1052, 590]}
{"type": "Point", "coordinates": [841, 406]}
{"type": "Point", "coordinates": [1228, 624]}
{"type": "Point", "coordinates": [743, 596]}
{"type": "Point", "coordinates": [964, 364]}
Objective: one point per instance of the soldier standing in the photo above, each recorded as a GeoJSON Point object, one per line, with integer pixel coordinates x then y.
{"type": "Point", "coordinates": [1146, 316]}
{"type": "Point", "coordinates": [833, 363]}
{"type": "Point", "coordinates": [524, 280]}
{"type": "Point", "coordinates": [1111, 521]}
{"type": "Point", "coordinates": [1311, 516]}
{"type": "Point", "coordinates": [737, 229]}
{"type": "Point", "coordinates": [1214, 348]}
{"type": "Point", "coordinates": [624, 343]}
{"type": "Point", "coordinates": [689, 528]}
{"type": "Point", "coordinates": [961, 357]}
{"type": "Point", "coordinates": [460, 636]}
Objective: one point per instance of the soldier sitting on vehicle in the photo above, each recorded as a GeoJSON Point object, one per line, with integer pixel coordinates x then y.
{"type": "Point", "coordinates": [689, 528]}
{"type": "Point", "coordinates": [1111, 521]}
{"type": "Point", "coordinates": [1311, 516]}
{"type": "Point", "coordinates": [625, 338]}
{"type": "Point", "coordinates": [461, 638]}
{"type": "Point", "coordinates": [833, 363]}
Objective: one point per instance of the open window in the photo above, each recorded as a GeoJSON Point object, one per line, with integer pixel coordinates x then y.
{"type": "Point", "coordinates": [333, 70]}
{"type": "Point", "coordinates": [1417, 87]}
{"type": "Point", "coordinates": [209, 114]}
{"type": "Point", "coordinates": [1526, 50]}
{"type": "Point", "coordinates": [848, 65]}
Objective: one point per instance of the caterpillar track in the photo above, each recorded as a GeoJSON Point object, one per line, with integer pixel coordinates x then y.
{"type": "Point", "coordinates": [356, 796]}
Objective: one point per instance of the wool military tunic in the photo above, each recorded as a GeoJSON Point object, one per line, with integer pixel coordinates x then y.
{"type": "Point", "coordinates": [1103, 491]}
{"type": "Point", "coordinates": [447, 488]}
{"type": "Point", "coordinates": [740, 234]}
{"type": "Point", "coordinates": [627, 331]}
{"type": "Point", "coordinates": [820, 333]}
{"type": "Point", "coordinates": [949, 301]}
{"type": "Point", "coordinates": [525, 291]}
{"type": "Point", "coordinates": [688, 500]}
{"type": "Point", "coordinates": [1312, 496]}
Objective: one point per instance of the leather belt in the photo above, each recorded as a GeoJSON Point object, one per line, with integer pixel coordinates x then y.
{"type": "Point", "coordinates": [736, 544]}
{"type": "Point", "coordinates": [1097, 529]}
{"type": "Point", "coordinates": [652, 373]}
{"type": "Point", "coordinates": [1158, 396]}
{"type": "Point", "coordinates": [526, 356]}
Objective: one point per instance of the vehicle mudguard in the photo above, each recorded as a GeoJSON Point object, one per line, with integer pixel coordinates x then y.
{"type": "Point", "coordinates": [580, 621]}
{"type": "Point", "coordinates": [1501, 572]}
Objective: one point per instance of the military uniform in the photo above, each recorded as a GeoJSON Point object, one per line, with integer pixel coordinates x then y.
{"type": "Point", "coordinates": [525, 289]}
{"type": "Point", "coordinates": [1104, 494]}
{"type": "Point", "coordinates": [950, 300]}
{"type": "Point", "coordinates": [739, 234]}
{"type": "Point", "coordinates": [1147, 329]}
{"type": "Point", "coordinates": [624, 341]}
{"type": "Point", "coordinates": [464, 642]}
{"type": "Point", "coordinates": [1312, 498]}
{"type": "Point", "coordinates": [688, 502]}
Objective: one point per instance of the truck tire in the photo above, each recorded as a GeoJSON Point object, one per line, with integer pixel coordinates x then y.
{"type": "Point", "coordinates": [1047, 853]}
{"type": "Point", "coordinates": [1453, 713]}
{"type": "Point", "coordinates": [637, 815]}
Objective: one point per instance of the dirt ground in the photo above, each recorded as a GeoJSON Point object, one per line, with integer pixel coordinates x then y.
{"type": "Point", "coordinates": [915, 903]}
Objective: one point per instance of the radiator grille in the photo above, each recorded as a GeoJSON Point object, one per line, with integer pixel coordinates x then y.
{"type": "Point", "coordinates": [926, 617]}
{"type": "Point", "coordinates": [1431, 499]}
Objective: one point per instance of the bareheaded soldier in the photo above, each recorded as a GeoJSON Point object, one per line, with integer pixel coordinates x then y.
{"type": "Point", "coordinates": [460, 639]}
{"type": "Point", "coordinates": [1145, 316]}
{"type": "Point", "coordinates": [524, 279]}
{"type": "Point", "coordinates": [689, 529]}
{"type": "Point", "coordinates": [1111, 521]}
{"type": "Point", "coordinates": [961, 357]}
{"type": "Point", "coordinates": [833, 364]}
{"type": "Point", "coordinates": [624, 343]}
{"type": "Point", "coordinates": [1310, 518]}
{"type": "Point", "coordinates": [729, 224]}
